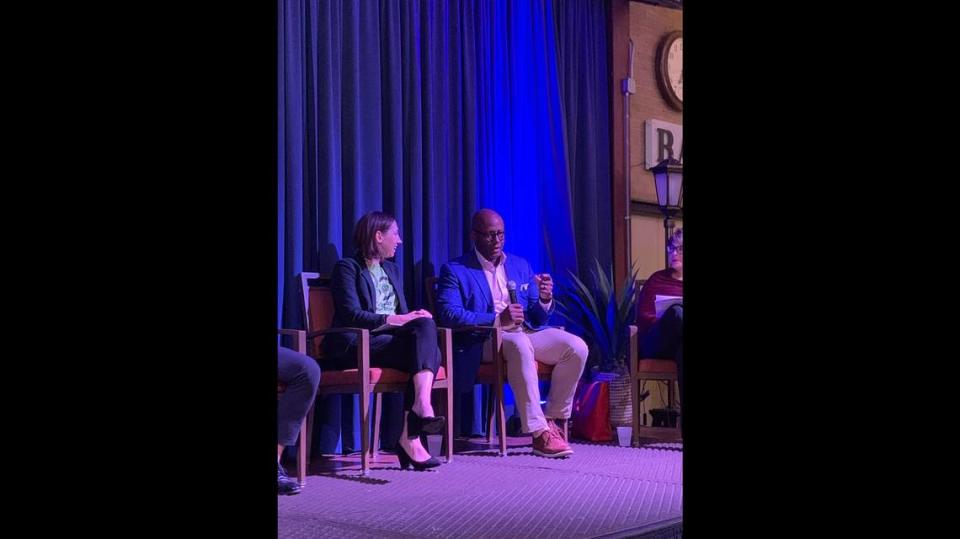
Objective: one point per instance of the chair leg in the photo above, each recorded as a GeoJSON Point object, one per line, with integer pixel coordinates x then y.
{"type": "Point", "coordinates": [302, 454]}
{"type": "Point", "coordinates": [377, 415]}
{"type": "Point", "coordinates": [643, 407]}
{"type": "Point", "coordinates": [656, 430]}
{"type": "Point", "coordinates": [636, 387]}
{"type": "Point", "coordinates": [364, 429]}
{"type": "Point", "coordinates": [498, 359]}
{"type": "Point", "coordinates": [491, 402]}
{"type": "Point", "coordinates": [676, 401]}
{"type": "Point", "coordinates": [311, 419]}
{"type": "Point", "coordinates": [449, 421]}
{"type": "Point", "coordinates": [502, 420]}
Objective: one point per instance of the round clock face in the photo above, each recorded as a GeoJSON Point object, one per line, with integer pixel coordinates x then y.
{"type": "Point", "coordinates": [675, 68]}
{"type": "Point", "coordinates": [670, 69]}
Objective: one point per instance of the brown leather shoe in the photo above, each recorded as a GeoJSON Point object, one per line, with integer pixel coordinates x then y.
{"type": "Point", "coordinates": [557, 426]}
{"type": "Point", "coordinates": [551, 445]}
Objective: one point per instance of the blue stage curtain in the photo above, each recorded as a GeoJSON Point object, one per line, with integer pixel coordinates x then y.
{"type": "Point", "coordinates": [429, 111]}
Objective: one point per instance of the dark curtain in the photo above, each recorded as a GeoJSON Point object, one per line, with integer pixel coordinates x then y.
{"type": "Point", "coordinates": [429, 111]}
{"type": "Point", "coordinates": [585, 93]}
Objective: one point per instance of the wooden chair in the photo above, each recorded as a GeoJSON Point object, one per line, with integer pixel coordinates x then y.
{"type": "Point", "coordinates": [318, 311]}
{"type": "Point", "coordinates": [650, 369]}
{"type": "Point", "coordinates": [299, 345]}
{"type": "Point", "coordinates": [493, 374]}
{"type": "Point", "coordinates": [641, 370]}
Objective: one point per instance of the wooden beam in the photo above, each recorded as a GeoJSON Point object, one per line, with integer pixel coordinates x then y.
{"type": "Point", "coordinates": [649, 208]}
{"type": "Point", "coordinates": [618, 19]}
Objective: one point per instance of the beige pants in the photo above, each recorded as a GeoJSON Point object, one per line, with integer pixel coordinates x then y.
{"type": "Point", "coordinates": [565, 351]}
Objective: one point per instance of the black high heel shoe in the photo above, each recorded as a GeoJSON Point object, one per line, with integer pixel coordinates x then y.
{"type": "Point", "coordinates": [406, 461]}
{"type": "Point", "coordinates": [428, 425]}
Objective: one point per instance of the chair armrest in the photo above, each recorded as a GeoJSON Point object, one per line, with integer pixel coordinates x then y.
{"type": "Point", "coordinates": [465, 329]}
{"type": "Point", "coordinates": [300, 338]}
{"type": "Point", "coordinates": [363, 346]}
{"type": "Point", "coordinates": [445, 336]}
{"type": "Point", "coordinates": [321, 332]}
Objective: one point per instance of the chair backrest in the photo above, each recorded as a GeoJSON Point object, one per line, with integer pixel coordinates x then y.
{"type": "Point", "coordinates": [636, 298]}
{"type": "Point", "coordinates": [430, 290]}
{"type": "Point", "coordinates": [636, 292]}
{"type": "Point", "coordinates": [318, 309]}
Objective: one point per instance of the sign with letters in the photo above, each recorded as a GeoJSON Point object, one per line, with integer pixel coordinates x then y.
{"type": "Point", "coordinates": [663, 140]}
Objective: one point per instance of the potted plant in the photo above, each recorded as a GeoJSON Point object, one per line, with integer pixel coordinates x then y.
{"type": "Point", "coordinates": [601, 316]}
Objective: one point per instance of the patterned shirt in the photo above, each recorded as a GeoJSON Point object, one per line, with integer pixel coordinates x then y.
{"type": "Point", "coordinates": [386, 296]}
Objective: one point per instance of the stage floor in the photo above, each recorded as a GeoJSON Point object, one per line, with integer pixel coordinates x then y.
{"type": "Point", "coordinates": [602, 490]}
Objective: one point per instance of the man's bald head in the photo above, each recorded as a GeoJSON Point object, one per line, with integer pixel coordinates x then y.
{"type": "Point", "coordinates": [488, 233]}
{"type": "Point", "coordinates": [486, 217]}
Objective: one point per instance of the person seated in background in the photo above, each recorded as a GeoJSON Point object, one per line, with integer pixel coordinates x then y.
{"type": "Point", "coordinates": [301, 374]}
{"type": "Point", "coordinates": [662, 337]}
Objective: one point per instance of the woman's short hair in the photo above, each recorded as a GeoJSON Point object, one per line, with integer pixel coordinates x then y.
{"type": "Point", "coordinates": [365, 233]}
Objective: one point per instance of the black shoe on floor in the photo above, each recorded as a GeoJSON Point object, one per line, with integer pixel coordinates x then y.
{"type": "Point", "coordinates": [285, 485]}
{"type": "Point", "coordinates": [406, 460]}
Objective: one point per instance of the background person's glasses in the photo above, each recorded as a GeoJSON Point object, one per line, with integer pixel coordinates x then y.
{"type": "Point", "coordinates": [490, 236]}
{"type": "Point", "coordinates": [675, 249]}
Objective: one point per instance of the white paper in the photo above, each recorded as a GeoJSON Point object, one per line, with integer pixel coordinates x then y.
{"type": "Point", "coordinates": [662, 303]}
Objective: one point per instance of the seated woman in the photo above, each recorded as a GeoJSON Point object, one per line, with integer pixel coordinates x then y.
{"type": "Point", "coordinates": [368, 293]}
{"type": "Point", "coordinates": [663, 337]}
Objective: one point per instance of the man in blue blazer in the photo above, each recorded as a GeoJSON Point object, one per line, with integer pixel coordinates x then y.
{"type": "Point", "coordinates": [475, 289]}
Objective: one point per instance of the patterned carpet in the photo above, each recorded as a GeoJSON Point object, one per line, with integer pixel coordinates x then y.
{"type": "Point", "coordinates": [601, 491]}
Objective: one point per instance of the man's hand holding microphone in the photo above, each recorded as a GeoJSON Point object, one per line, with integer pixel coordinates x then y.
{"type": "Point", "coordinates": [513, 314]}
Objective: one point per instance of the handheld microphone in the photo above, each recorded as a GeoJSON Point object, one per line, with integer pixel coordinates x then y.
{"type": "Point", "coordinates": [512, 290]}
